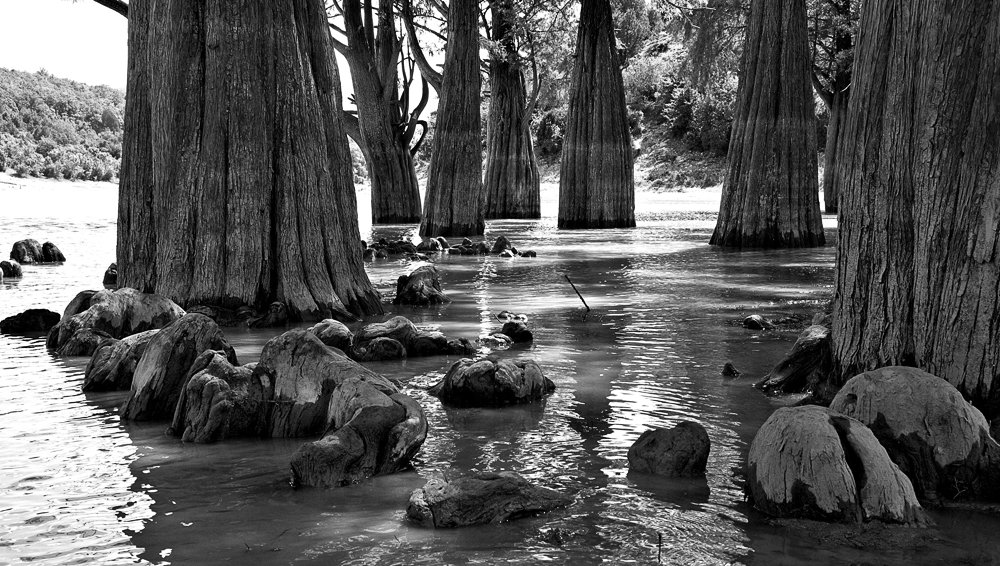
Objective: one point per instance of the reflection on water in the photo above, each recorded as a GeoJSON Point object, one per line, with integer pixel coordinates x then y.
{"type": "Point", "coordinates": [77, 485]}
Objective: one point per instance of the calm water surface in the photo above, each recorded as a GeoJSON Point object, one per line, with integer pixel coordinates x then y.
{"type": "Point", "coordinates": [77, 486]}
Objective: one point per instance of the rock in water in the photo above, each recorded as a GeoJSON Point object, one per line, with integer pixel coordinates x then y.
{"type": "Point", "coordinates": [729, 370]}
{"type": "Point", "coordinates": [936, 437]}
{"type": "Point", "coordinates": [681, 451]}
{"type": "Point", "coordinates": [333, 333]}
{"type": "Point", "coordinates": [113, 363]}
{"type": "Point", "coordinates": [416, 341]}
{"type": "Point", "coordinates": [118, 313]}
{"type": "Point", "coordinates": [26, 251]}
{"type": "Point", "coordinates": [52, 254]}
{"type": "Point", "coordinates": [373, 434]}
{"type": "Point", "coordinates": [381, 349]}
{"type": "Point", "coordinates": [111, 276]}
{"type": "Point", "coordinates": [31, 321]}
{"type": "Point", "coordinates": [10, 270]}
{"type": "Point", "coordinates": [304, 373]}
{"type": "Point", "coordinates": [492, 383]}
{"type": "Point", "coordinates": [219, 401]}
{"type": "Point", "coordinates": [163, 369]}
{"type": "Point", "coordinates": [757, 322]}
{"type": "Point", "coordinates": [421, 287]}
{"type": "Point", "coordinates": [518, 332]}
{"type": "Point", "coordinates": [80, 303]}
{"type": "Point", "coordinates": [480, 499]}
{"type": "Point", "coordinates": [809, 462]}
{"type": "Point", "coordinates": [501, 244]}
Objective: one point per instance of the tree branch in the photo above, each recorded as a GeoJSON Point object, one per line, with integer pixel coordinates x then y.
{"type": "Point", "coordinates": [117, 5]}
{"type": "Point", "coordinates": [432, 76]}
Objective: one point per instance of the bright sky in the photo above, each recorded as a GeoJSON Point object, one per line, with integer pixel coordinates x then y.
{"type": "Point", "coordinates": [75, 40]}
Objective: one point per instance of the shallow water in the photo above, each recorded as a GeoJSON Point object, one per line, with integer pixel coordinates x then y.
{"type": "Point", "coordinates": [77, 486]}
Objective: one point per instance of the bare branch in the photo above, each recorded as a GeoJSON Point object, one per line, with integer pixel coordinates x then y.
{"type": "Point", "coordinates": [118, 6]}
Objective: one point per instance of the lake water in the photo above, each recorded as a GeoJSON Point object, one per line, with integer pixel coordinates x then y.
{"type": "Point", "coordinates": [77, 486]}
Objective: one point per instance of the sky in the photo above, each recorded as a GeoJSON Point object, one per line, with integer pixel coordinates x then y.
{"type": "Point", "coordinates": [79, 40]}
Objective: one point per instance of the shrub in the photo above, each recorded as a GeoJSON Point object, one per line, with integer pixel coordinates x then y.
{"type": "Point", "coordinates": [550, 131]}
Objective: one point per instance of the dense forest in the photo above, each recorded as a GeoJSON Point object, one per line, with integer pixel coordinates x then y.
{"type": "Point", "coordinates": [58, 128]}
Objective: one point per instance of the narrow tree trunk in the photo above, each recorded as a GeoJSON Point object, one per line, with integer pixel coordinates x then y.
{"type": "Point", "coordinates": [834, 137]}
{"type": "Point", "coordinates": [596, 188]}
{"type": "Point", "coordinates": [770, 197]}
{"type": "Point", "coordinates": [918, 279]}
{"type": "Point", "coordinates": [395, 191]}
{"type": "Point", "coordinates": [453, 205]}
{"type": "Point", "coordinates": [237, 186]}
{"type": "Point", "coordinates": [511, 183]}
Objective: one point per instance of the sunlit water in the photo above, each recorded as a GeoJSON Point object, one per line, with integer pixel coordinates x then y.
{"type": "Point", "coordinates": [77, 486]}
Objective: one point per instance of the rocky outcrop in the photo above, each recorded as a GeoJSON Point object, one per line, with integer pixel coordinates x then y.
{"type": "Point", "coordinates": [117, 313]}
{"type": "Point", "coordinates": [381, 349]}
{"type": "Point", "coordinates": [492, 383]}
{"type": "Point", "coordinates": [417, 342]}
{"type": "Point", "coordinates": [304, 373]}
{"type": "Point", "coordinates": [496, 341]}
{"type": "Point", "coordinates": [518, 332]}
{"type": "Point", "coordinates": [373, 434]}
{"type": "Point", "coordinates": [481, 499]}
{"type": "Point", "coordinates": [421, 287]}
{"type": "Point", "coordinates": [113, 363]}
{"type": "Point", "coordinates": [813, 463]}
{"type": "Point", "coordinates": [729, 370]}
{"type": "Point", "coordinates": [26, 251]}
{"type": "Point", "coordinates": [937, 438]}
{"type": "Point", "coordinates": [10, 270]}
{"type": "Point", "coordinates": [681, 451]}
{"type": "Point", "coordinates": [219, 401]}
{"type": "Point", "coordinates": [501, 244]}
{"type": "Point", "coordinates": [31, 321]}
{"type": "Point", "coordinates": [757, 322]}
{"type": "Point", "coordinates": [334, 333]}
{"type": "Point", "coordinates": [110, 276]}
{"type": "Point", "coordinates": [806, 368]}
{"type": "Point", "coordinates": [164, 367]}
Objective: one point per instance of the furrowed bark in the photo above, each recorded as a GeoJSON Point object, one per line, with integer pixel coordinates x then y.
{"type": "Point", "coordinates": [770, 197]}
{"type": "Point", "coordinates": [250, 199]}
{"type": "Point", "coordinates": [596, 186]}
{"type": "Point", "coordinates": [511, 182]}
{"type": "Point", "coordinates": [453, 205]}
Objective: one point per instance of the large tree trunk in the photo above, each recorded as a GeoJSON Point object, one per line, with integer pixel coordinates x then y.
{"type": "Point", "coordinates": [453, 205]}
{"type": "Point", "coordinates": [511, 183]}
{"type": "Point", "coordinates": [236, 185]}
{"type": "Point", "coordinates": [596, 188]}
{"type": "Point", "coordinates": [770, 197]}
{"type": "Point", "coordinates": [918, 277]}
{"type": "Point", "coordinates": [834, 137]}
{"type": "Point", "coordinates": [372, 60]}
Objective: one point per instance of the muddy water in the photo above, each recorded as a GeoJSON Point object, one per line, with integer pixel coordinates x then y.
{"type": "Point", "coordinates": [77, 486]}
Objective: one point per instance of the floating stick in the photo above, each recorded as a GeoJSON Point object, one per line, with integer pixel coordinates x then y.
{"type": "Point", "coordinates": [577, 292]}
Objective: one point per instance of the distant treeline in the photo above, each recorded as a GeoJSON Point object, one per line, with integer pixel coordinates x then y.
{"type": "Point", "coordinates": [58, 128]}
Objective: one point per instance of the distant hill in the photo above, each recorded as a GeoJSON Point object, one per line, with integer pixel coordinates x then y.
{"type": "Point", "coordinates": [58, 128]}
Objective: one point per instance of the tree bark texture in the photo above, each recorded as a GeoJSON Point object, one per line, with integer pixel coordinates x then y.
{"type": "Point", "coordinates": [372, 60]}
{"type": "Point", "coordinates": [770, 197]}
{"type": "Point", "coordinates": [511, 182]}
{"type": "Point", "coordinates": [918, 277]}
{"type": "Point", "coordinates": [236, 180]}
{"type": "Point", "coordinates": [453, 205]}
{"type": "Point", "coordinates": [596, 186]}
{"type": "Point", "coordinates": [834, 138]}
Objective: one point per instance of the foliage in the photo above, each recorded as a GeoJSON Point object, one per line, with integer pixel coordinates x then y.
{"type": "Point", "coordinates": [359, 165]}
{"type": "Point", "coordinates": [57, 128]}
{"type": "Point", "coordinates": [549, 132]}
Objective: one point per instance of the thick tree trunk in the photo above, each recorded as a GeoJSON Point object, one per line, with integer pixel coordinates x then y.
{"type": "Point", "coordinates": [770, 197]}
{"type": "Point", "coordinates": [453, 205]}
{"type": "Point", "coordinates": [834, 137]}
{"type": "Point", "coordinates": [395, 191]}
{"type": "Point", "coordinates": [511, 182]}
{"type": "Point", "coordinates": [596, 188]}
{"type": "Point", "coordinates": [236, 185]}
{"type": "Point", "coordinates": [918, 278]}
